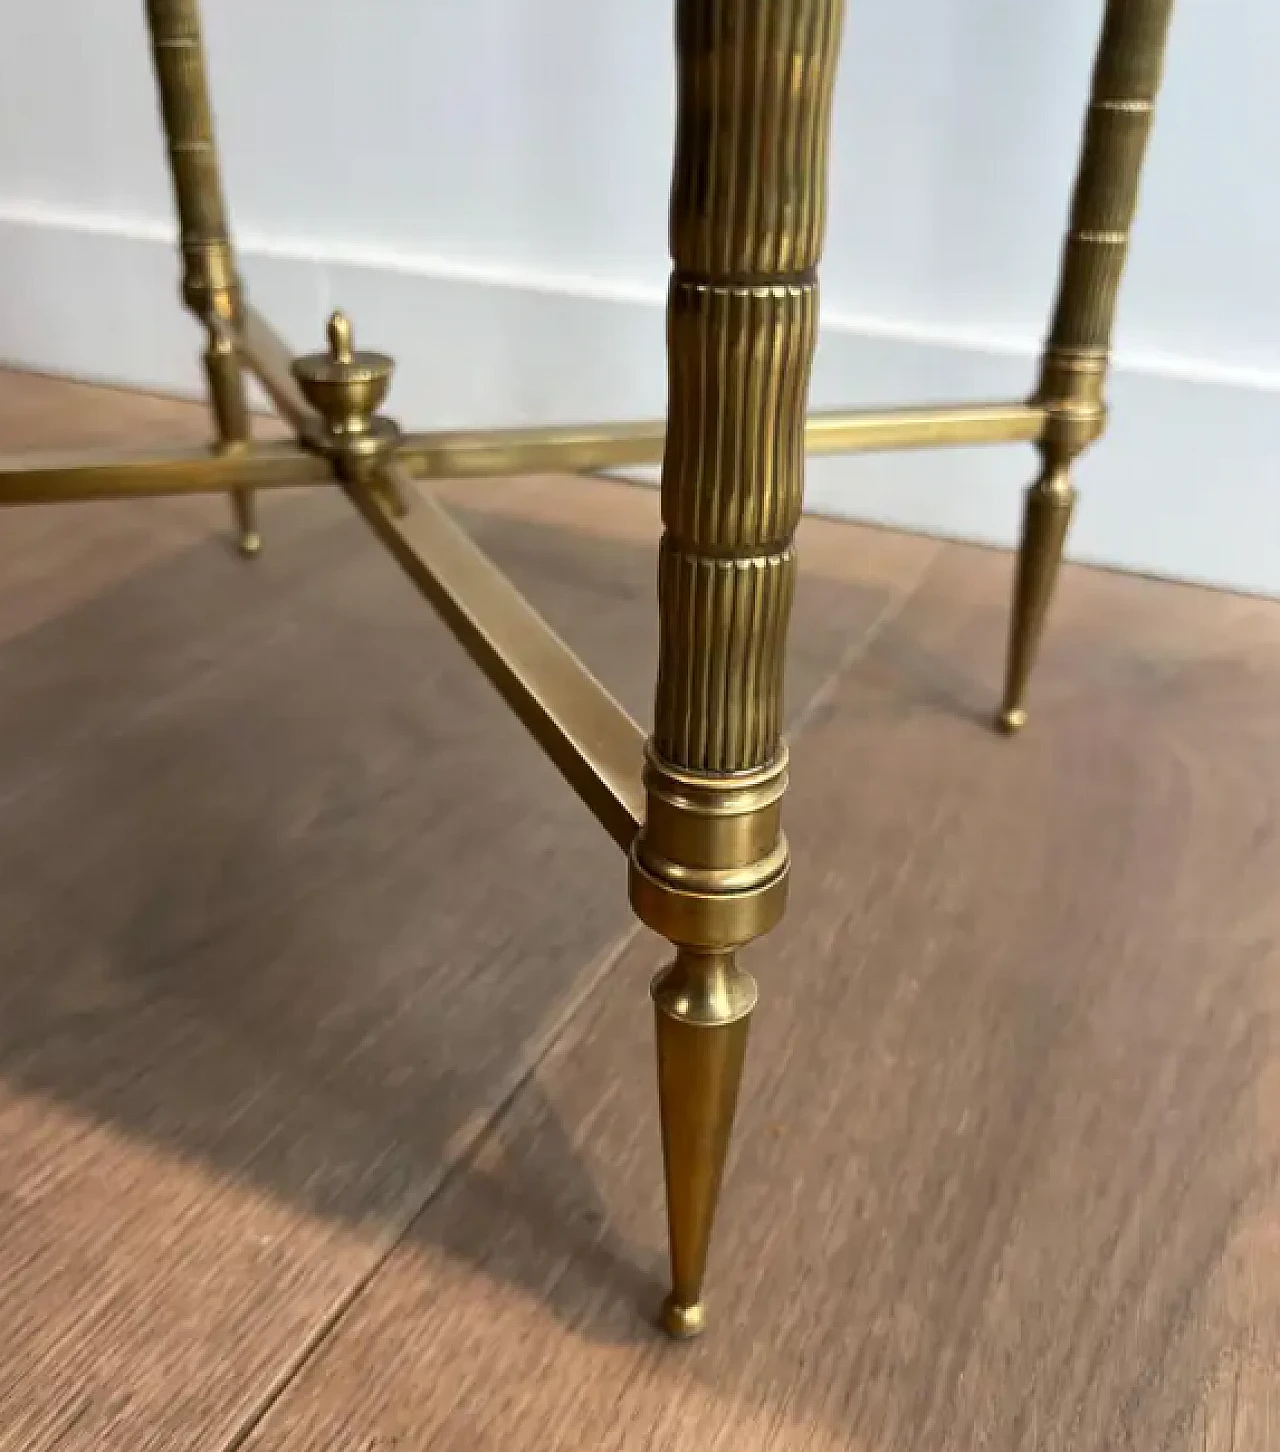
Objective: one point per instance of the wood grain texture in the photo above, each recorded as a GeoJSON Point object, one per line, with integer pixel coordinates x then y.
{"type": "Point", "coordinates": [288, 906]}
{"type": "Point", "coordinates": [1006, 1168]}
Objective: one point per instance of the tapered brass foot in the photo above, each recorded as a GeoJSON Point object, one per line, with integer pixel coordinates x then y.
{"type": "Point", "coordinates": [683, 1323]}
{"type": "Point", "coordinates": [244, 513]}
{"type": "Point", "coordinates": [703, 1005]}
{"type": "Point", "coordinates": [1046, 518]}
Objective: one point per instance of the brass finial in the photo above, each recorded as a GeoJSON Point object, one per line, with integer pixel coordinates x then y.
{"type": "Point", "coordinates": [346, 386]}
{"type": "Point", "coordinates": [340, 338]}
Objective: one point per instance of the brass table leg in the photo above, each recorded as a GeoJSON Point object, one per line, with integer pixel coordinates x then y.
{"type": "Point", "coordinates": [709, 868]}
{"type": "Point", "coordinates": [1126, 79]}
{"type": "Point", "coordinates": [210, 286]}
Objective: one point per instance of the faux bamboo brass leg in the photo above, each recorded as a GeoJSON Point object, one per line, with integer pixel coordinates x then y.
{"type": "Point", "coordinates": [1126, 79]}
{"type": "Point", "coordinates": [709, 868]}
{"type": "Point", "coordinates": [210, 286]}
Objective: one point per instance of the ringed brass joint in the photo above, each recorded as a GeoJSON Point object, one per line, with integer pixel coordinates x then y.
{"type": "Point", "coordinates": [1072, 383]}
{"type": "Point", "coordinates": [709, 867]}
{"type": "Point", "coordinates": [211, 287]}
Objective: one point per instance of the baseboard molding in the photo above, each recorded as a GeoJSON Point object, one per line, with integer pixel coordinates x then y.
{"type": "Point", "coordinates": [1183, 486]}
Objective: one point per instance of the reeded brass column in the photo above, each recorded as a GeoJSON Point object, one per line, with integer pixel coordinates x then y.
{"type": "Point", "coordinates": [709, 868]}
{"type": "Point", "coordinates": [1126, 79]}
{"type": "Point", "coordinates": [210, 287]}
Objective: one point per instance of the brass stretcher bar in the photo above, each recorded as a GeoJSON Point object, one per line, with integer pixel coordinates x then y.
{"type": "Point", "coordinates": [471, 453]}
{"type": "Point", "coordinates": [87, 475]}
{"type": "Point", "coordinates": [597, 448]}
{"type": "Point", "coordinates": [594, 744]}
{"type": "Point", "coordinates": [697, 806]}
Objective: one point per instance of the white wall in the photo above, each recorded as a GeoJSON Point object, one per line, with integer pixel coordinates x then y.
{"type": "Point", "coordinates": [482, 184]}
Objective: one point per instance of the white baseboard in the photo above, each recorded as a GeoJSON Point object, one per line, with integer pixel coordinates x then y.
{"type": "Point", "coordinates": [1184, 485]}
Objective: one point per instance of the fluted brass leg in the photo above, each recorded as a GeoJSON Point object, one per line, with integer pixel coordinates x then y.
{"type": "Point", "coordinates": [709, 867]}
{"type": "Point", "coordinates": [702, 1004]}
{"type": "Point", "coordinates": [210, 286]}
{"type": "Point", "coordinates": [1126, 79]}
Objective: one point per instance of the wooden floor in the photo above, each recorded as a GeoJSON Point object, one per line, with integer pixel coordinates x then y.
{"type": "Point", "coordinates": [326, 1105]}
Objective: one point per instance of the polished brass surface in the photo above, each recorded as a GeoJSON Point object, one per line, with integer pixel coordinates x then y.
{"type": "Point", "coordinates": [709, 867]}
{"type": "Point", "coordinates": [702, 1009]}
{"type": "Point", "coordinates": [589, 737]}
{"type": "Point", "coordinates": [697, 807]}
{"type": "Point", "coordinates": [345, 389]}
{"type": "Point", "coordinates": [563, 448]}
{"type": "Point", "coordinates": [210, 285]}
{"type": "Point", "coordinates": [77, 478]}
{"type": "Point", "coordinates": [923, 426]}
{"type": "Point", "coordinates": [596, 448]}
{"type": "Point", "coordinates": [209, 277]}
{"type": "Point", "coordinates": [711, 870]}
{"type": "Point", "coordinates": [1126, 80]}
{"type": "Point", "coordinates": [1047, 512]}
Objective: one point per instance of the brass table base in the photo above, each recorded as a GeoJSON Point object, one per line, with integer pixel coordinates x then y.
{"type": "Point", "coordinates": [697, 807]}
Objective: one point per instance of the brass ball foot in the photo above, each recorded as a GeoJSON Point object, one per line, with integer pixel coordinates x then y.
{"type": "Point", "coordinates": [249, 544]}
{"type": "Point", "coordinates": [1011, 722]}
{"type": "Point", "coordinates": [683, 1323]}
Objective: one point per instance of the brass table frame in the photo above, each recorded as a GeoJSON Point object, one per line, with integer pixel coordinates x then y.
{"type": "Point", "coordinates": [697, 806]}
